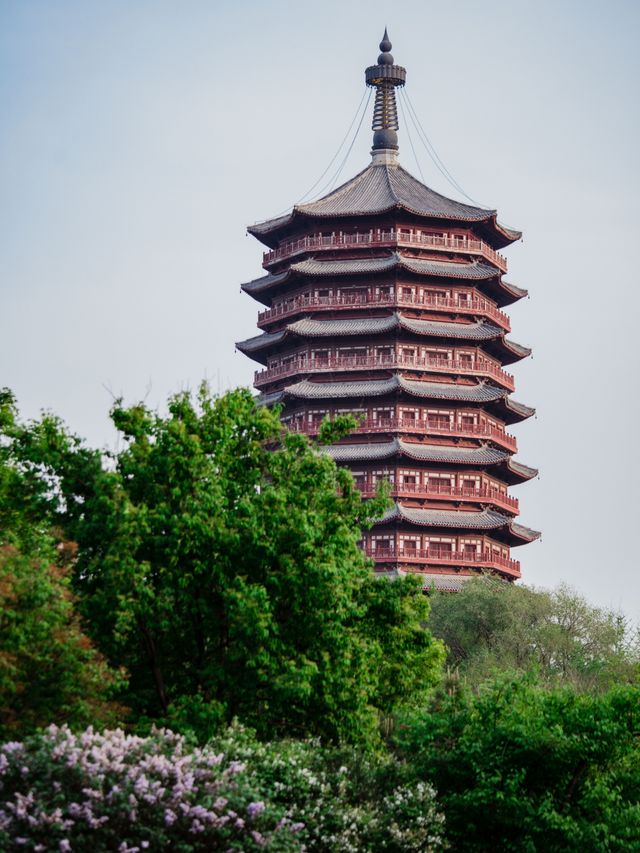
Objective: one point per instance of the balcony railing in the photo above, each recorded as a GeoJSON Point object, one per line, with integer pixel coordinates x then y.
{"type": "Point", "coordinates": [385, 239]}
{"type": "Point", "coordinates": [416, 425]}
{"type": "Point", "coordinates": [433, 556]}
{"type": "Point", "coordinates": [477, 306]}
{"type": "Point", "coordinates": [448, 492]}
{"type": "Point", "coordinates": [479, 367]}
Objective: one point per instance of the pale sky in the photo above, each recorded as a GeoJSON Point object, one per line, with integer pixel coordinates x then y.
{"type": "Point", "coordinates": [138, 139]}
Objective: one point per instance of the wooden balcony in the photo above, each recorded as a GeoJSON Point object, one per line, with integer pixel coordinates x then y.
{"type": "Point", "coordinates": [302, 364]}
{"type": "Point", "coordinates": [421, 427]}
{"type": "Point", "coordinates": [478, 307]}
{"type": "Point", "coordinates": [433, 557]}
{"type": "Point", "coordinates": [392, 239]}
{"type": "Point", "coordinates": [448, 492]}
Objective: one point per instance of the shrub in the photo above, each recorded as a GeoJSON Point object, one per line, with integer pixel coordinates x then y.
{"type": "Point", "coordinates": [116, 792]}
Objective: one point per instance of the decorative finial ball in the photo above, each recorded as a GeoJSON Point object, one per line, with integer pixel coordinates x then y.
{"type": "Point", "coordinates": [385, 59]}
{"type": "Point", "coordinates": [385, 44]}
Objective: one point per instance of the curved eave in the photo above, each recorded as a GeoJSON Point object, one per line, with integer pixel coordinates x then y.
{"type": "Point", "coordinates": [465, 271]}
{"type": "Point", "coordinates": [506, 350]}
{"type": "Point", "coordinates": [520, 473]}
{"type": "Point", "coordinates": [484, 456]}
{"type": "Point", "coordinates": [479, 333]}
{"type": "Point", "coordinates": [516, 412]}
{"type": "Point", "coordinates": [486, 521]}
{"type": "Point", "coordinates": [381, 189]}
{"type": "Point", "coordinates": [511, 292]}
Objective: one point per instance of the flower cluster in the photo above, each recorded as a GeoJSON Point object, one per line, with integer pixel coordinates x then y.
{"type": "Point", "coordinates": [112, 791]}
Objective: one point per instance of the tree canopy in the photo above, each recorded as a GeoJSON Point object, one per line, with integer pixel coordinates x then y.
{"type": "Point", "coordinates": [218, 561]}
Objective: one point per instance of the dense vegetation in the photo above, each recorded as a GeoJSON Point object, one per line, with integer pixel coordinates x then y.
{"type": "Point", "coordinates": [207, 578]}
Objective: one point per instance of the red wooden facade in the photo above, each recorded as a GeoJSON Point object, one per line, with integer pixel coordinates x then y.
{"type": "Point", "coordinates": [385, 299]}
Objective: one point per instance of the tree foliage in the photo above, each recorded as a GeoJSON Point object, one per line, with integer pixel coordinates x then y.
{"type": "Point", "coordinates": [225, 572]}
{"type": "Point", "coordinates": [49, 670]}
{"type": "Point", "coordinates": [519, 767]}
{"type": "Point", "coordinates": [491, 627]}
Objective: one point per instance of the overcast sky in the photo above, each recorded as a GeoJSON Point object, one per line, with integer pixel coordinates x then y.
{"type": "Point", "coordinates": [138, 139]}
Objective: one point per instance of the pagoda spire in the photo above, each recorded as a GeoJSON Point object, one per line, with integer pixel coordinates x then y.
{"type": "Point", "coordinates": [384, 77]}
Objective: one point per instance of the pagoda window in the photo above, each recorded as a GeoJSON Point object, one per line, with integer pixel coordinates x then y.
{"type": "Point", "coordinates": [321, 356]}
{"type": "Point", "coordinates": [408, 351]}
{"type": "Point", "coordinates": [438, 354]}
{"type": "Point", "coordinates": [360, 478]}
{"type": "Point", "coordinates": [325, 293]}
{"type": "Point", "coordinates": [407, 292]}
{"type": "Point", "coordinates": [440, 420]}
{"type": "Point", "coordinates": [470, 549]}
{"type": "Point", "coordinates": [439, 483]}
{"type": "Point", "coordinates": [382, 414]}
{"type": "Point", "coordinates": [440, 547]}
{"type": "Point", "coordinates": [471, 483]}
{"type": "Point", "coordinates": [468, 420]}
{"type": "Point", "coordinates": [409, 544]}
{"type": "Point", "coordinates": [383, 544]}
{"type": "Point", "coordinates": [410, 478]}
{"type": "Point", "coordinates": [410, 414]}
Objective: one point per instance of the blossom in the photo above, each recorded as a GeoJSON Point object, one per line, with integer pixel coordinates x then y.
{"type": "Point", "coordinates": [254, 809]}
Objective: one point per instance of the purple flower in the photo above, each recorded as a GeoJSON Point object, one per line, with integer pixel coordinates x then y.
{"type": "Point", "coordinates": [64, 846]}
{"type": "Point", "coordinates": [254, 809]}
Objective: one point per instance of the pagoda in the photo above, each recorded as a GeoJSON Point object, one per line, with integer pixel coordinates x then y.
{"type": "Point", "coordinates": [385, 299]}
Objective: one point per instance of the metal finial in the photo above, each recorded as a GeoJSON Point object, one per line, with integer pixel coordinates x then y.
{"type": "Point", "coordinates": [385, 44]}
{"type": "Point", "coordinates": [385, 76]}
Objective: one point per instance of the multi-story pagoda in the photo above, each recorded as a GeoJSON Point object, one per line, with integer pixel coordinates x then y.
{"type": "Point", "coordinates": [384, 299]}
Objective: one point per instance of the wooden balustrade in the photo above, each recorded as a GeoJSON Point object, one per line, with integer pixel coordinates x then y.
{"type": "Point", "coordinates": [385, 239]}
{"type": "Point", "coordinates": [432, 556]}
{"type": "Point", "coordinates": [302, 364]}
{"type": "Point", "coordinates": [427, 492]}
{"type": "Point", "coordinates": [477, 306]}
{"type": "Point", "coordinates": [419, 426]}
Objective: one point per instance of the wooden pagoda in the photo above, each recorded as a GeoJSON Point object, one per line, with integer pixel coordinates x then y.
{"type": "Point", "coordinates": [384, 299]}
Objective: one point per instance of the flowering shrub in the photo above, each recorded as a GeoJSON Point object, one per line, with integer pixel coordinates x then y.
{"type": "Point", "coordinates": [347, 799]}
{"type": "Point", "coordinates": [112, 791]}
{"type": "Point", "coordinates": [116, 792]}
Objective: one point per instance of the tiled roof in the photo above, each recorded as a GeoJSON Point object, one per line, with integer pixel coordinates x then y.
{"type": "Point", "coordinates": [524, 472]}
{"type": "Point", "coordinates": [517, 349]}
{"type": "Point", "coordinates": [308, 390]}
{"type": "Point", "coordinates": [380, 188]}
{"type": "Point", "coordinates": [480, 331]}
{"type": "Point", "coordinates": [479, 393]}
{"type": "Point", "coordinates": [421, 452]}
{"type": "Point", "coordinates": [519, 409]}
{"type": "Point", "coordinates": [310, 328]}
{"type": "Point", "coordinates": [444, 583]}
{"type": "Point", "coordinates": [518, 292]}
{"type": "Point", "coordinates": [486, 519]}
{"type": "Point", "coordinates": [472, 271]}
{"type": "Point", "coordinates": [260, 341]}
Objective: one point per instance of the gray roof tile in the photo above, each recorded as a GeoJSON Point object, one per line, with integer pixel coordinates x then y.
{"type": "Point", "coordinates": [420, 452]}
{"type": "Point", "coordinates": [380, 188]}
{"type": "Point", "coordinates": [486, 519]}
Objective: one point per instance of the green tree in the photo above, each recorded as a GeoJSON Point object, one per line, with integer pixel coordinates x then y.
{"type": "Point", "coordinates": [492, 626]}
{"type": "Point", "coordinates": [521, 767]}
{"type": "Point", "coordinates": [49, 670]}
{"type": "Point", "coordinates": [218, 560]}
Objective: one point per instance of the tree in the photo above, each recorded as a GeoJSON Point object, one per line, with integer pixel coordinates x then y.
{"type": "Point", "coordinates": [49, 670]}
{"type": "Point", "coordinates": [493, 626]}
{"type": "Point", "coordinates": [522, 767]}
{"type": "Point", "coordinates": [218, 560]}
